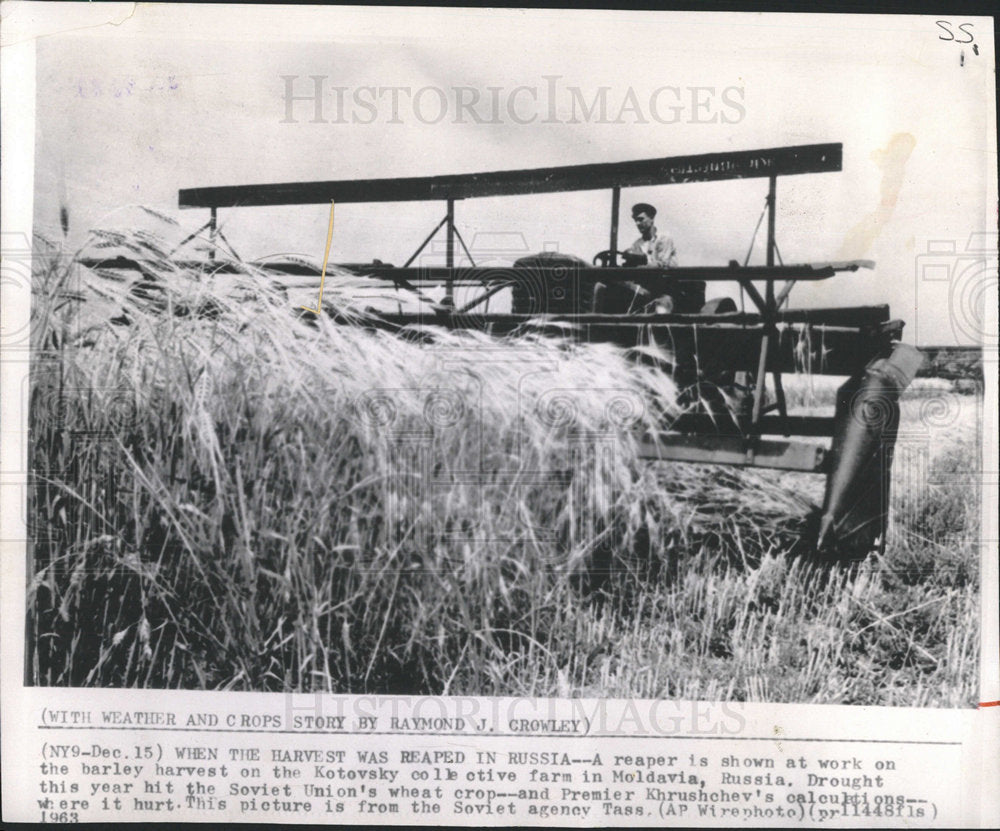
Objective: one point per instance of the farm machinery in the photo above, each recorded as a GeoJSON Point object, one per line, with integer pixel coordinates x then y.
{"type": "Point", "coordinates": [716, 353]}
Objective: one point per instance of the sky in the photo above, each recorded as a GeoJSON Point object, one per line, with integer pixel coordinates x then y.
{"type": "Point", "coordinates": [128, 114]}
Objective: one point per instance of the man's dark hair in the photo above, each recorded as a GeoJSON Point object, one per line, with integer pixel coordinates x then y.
{"type": "Point", "coordinates": [643, 208]}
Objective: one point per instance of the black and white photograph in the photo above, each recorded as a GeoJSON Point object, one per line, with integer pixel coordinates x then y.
{"type": "Point", "coordinates": [614, 355]}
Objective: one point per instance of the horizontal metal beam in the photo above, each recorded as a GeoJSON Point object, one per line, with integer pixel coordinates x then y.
{"type": "Point", "coordinates": [854, 317]}
{"type": "Point", "coordinates": [727, 450]}
{"type": "Point", "coordinates": [716, 347]}
{"type": "Point", "coordinates": [288, 267]}
{"type": "Point", "coordinates": [793, 425]}
{"type": "Point", "coordinates": [706, 167]}
{"type": "Point", "coordinates": [485, 274]}
{"type": "Point", "coordinates": [643, 275]}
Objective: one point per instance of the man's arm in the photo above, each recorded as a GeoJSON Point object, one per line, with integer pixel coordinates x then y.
{"type": "Point", "coordinates": [634, 255]}
{"type": "Point", "coordinates": [664, 253]}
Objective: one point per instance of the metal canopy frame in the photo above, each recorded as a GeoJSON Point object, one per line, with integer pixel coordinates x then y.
{"type": "Point", "coordinates": [706, 167]}
{"type": "Point", "coordinates": [768, 163]}
{"type": "Point", "coordinates": [857, 331]}
{"type": "Point", "coordinates": [865, 341]}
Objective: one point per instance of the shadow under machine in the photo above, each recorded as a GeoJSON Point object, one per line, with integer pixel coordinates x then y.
{"type": "Point", "coordinates": [710, 348]}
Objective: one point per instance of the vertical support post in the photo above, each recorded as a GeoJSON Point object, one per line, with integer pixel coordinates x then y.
{"type": "Point", "coordinates": [616, 198]}
{"type": "Point", "coordinates": [212, 227]}
{"type": "Point", "coordinates": [758, 392]}
{"type": "Point", "coordinates": [771, 193]}
{"type": "Point", "coordinates": [769, 314]}
{"type": "Point", "coordinates": [449, 256]}
{"type": "Point", "coordinates": [772, 305]}
{"type": "Point", "coordinates": [771, 188]}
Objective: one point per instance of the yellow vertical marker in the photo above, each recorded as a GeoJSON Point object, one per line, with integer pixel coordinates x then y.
{"type": "Point", "coordinates": [326, 257]}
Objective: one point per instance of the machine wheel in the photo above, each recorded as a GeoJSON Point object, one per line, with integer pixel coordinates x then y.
{"type": "Point", "coordinates": [603, 258]}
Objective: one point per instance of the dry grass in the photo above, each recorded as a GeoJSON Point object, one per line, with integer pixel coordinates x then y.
{"type": "Point", "coordinates": [248, 499]}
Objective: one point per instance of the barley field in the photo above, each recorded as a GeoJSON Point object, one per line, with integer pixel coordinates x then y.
{"type": "Point", "coordinates": [229, 495]}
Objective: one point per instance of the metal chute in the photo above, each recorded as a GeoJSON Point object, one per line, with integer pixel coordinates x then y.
{"type": "Point", "coordinates": [856, 503]}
